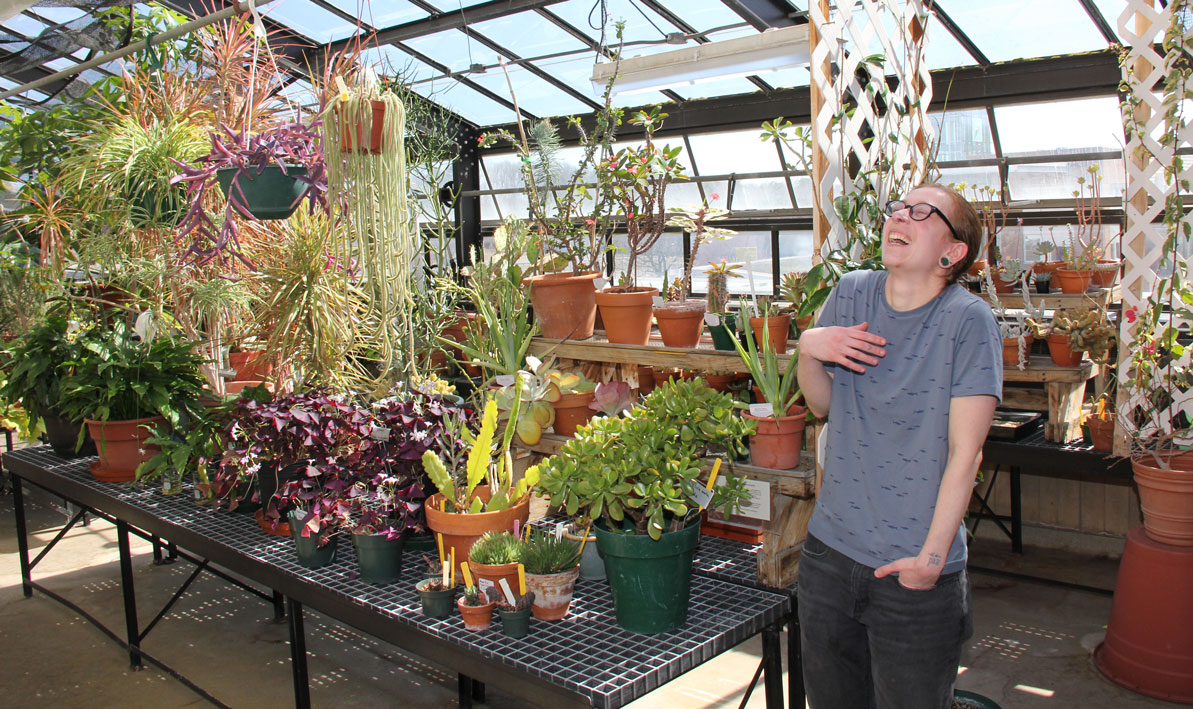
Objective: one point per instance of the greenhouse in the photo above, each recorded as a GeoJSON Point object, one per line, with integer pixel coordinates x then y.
{"type": "Point", "coordinates": [661, 353]}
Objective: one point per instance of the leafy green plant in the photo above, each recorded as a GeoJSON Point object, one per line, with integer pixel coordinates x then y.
{"type": "Point", "coordinates": [40, 365]}
{"type": "Point", "coordinates": [504, 332]}
{"type": "Point", "coordinates": [497, 548]}
{"type": "Point", "coordinates": [549, 554]}
{"type": "Point", "coordinates": [779, 386]}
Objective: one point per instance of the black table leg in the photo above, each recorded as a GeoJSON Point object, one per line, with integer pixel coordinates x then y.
{"type": "Point", "coordinates": [772, 658]}
{"type": "Point", "coordinates": [1016, 513]}
{"type": "Point", "coordinates": [795, 660]}
{"type": "Point", "coordinates": [464, 691]}
{"type": "Point", "coordinates": [157, 551]}
{"type": "Point", "coordinates": [279, 607]}
{"type": "Point", "coordinates": [478, 691]}
{"type": "Point", "coordinates": [18, 507]}
{"type": "Point", "coordinates": [130, 596]}
{"type": "Point", "coordinates": [298, 656]}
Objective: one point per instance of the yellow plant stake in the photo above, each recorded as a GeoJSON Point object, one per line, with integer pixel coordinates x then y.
{"type": "Point", "coordinates": [587, 531]}
{"type": "Point", "coordinates": [467, 574]}
{"type": "Point", "coordinates": [1101, 409]}
{"type": "Point", "coordinates": [521, 580]}
{"type": "Point", "coordinates": [712, 477]}
{"type": "Point", "coordinates": [453, 567]}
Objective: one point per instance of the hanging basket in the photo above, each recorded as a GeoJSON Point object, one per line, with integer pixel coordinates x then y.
{"type": "Point", "coordinates": [271, 194]}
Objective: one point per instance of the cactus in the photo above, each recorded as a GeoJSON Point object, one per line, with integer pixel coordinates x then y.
{"type": "Point", "coordinates": [718, 285]}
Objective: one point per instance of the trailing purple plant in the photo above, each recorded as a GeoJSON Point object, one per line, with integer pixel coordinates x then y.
{"type": "Point", "coordinates": [285, 146]}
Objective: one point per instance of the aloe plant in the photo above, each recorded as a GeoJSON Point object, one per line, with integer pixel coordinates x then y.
{"type": "Point", "coordinates": [779, 386]}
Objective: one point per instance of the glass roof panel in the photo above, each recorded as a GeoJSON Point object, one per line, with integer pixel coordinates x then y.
{"type": "Point", "coordinates": [381, 13]}
{"type": "Point", "coordinates": [962, 135]}
{"type": "Point", "coordinates": [453, 49]}
{"type": "Point", "coordinates": [25, 25]}
{"type": "Point", "coordinates": [1014, 29]}
{"type": "Point", "coordinates": [943, 50]}
{"type": "Point", "coordinates": [57, 14]}
{"type": "Point", "coordinates": [393, 61]}
{"type": "Point", "coordinates": [464, 101]}
{"type": "Point", "coordinates": [534, 94]}
{"type": "Point", "coordinates": [641, 23]}
{"type": "Point", "coordinates": [449, 5]}
{"type": "Point", "coordinates": [311, 20]}
{"type": "Point", "coordinates": [577, 73]}
{"type": "Point", "coordinates": [1049, 128]}
{"type": "Point", "coordinates": [703, 15]}
{"type": "Point", "coordinates": [739, 151]}
{"type": "Point", "coordinates": [529, 35]}
{"type": "Point", "coordinates": [1111, 9]}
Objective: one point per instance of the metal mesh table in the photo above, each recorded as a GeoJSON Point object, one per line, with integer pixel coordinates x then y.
{"type": "Point", "coordinates": [586, 659]}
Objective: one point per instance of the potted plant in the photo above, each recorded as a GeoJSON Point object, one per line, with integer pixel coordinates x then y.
{"type": "Point", "coordinates": [1017, 338]}
{"type": "Point", "coordinates": [681, 320]}
{"type": "Point", "coordinates": [552, 563]}
{"type": "Point", "coordinates": [436, 596]}
{"type": "Point", "coordinates": [1044, 282]}
{"type": "Point", "coordinates": [515, 616]}
{"type": "Point", "coordinates": [638, 178]}
{"type": "Point", "coordinates": [779, 432]}
{"type": "Point", "coordinates": [637, 476]}
{"type": "Point", "coordinates": [767, 319]}
{"type": "Point", "coordinates": [795, 288]}
{"type": "Point", "coordinates": [479, 494]}
{"type": "Point", "coordinates": [720, 320]}
{"type": "Point", "coordinates": [1084, 247]}
{"type": "Point", "coordinates": [476, 609]}
{"type": "Point", "coordinates": [379, 509]}
{"type": "Point", "coordinates": [592, 568]}
{"type": "Point", "coordinates": [1079, 330]}
{"type": "Point", "coordinates": [1101, 423]}
{"type": "Point", "coordinates": [576, 394]}
{"type": "Point", "coordinates": [495, 556]}
{"type": "Point", "coordinates": [121, 384]}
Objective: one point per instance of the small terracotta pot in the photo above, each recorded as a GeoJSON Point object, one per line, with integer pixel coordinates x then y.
{"type": "Point", "coordinates": [1101, 432]}
{"type": "Point", "coordinates": [476, 617]}
{"type": "Point", "coordinates": [1058, 349]}
{"type": "Point", "coordinates": [1072, 281]}
{"type": "Point", "coordinates": [237, 386]}
{"type": "Point", "coordinates": [552, 593]}
{"type": "Point", "coordinates": [1010, 349]}
{"type": "Point", "coordinates": [120, 445]}
{"type": "Point", "coordinates": [356, 140]}
{"type": "Point", "coordinates": [250, 366]}
{"type": "Point", "coordinates": [680, 324]}
{"type": "Point", "coordinates": [662, 376]}
{"type": "Point", "coordinates": [645, 379]}
{"type": "Point", "coordinates": [488, 576]}
{"type": "Point", "coordinates": [778, 327]}
{"type": "Point", "coordinates": [572, 411]}
{"type": "Point", "coordinates": [1103, 275]}
{"type": "Point", "coordinates": [461, 530]}
{"type": "Point", "coordinates": [1001, 286]}
{"type": "Point", "coordinates": [777, 442]}
{"type": "Point", "coordinates": [720, 382]}
{"type": "Point", "coordinates": [564, 304]}
{"type": "Point", "coordinates": [280, 528]}
{"type": "Point", "coordinates": [804, 323]}
{"type": "Point", "coordinates": [976, 268]}
{"type": "Point", "coordinates": [1047, 266]}
{"type": "Point", "coordinates": [627, 314]}
{"type": "Point", "coordinates": [1166, 497]}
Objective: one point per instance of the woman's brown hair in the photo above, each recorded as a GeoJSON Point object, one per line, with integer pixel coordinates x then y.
{"type": "Point", "coordinates": [968, 225]}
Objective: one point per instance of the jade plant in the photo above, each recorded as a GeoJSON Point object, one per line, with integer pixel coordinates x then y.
{"type": "Point", "coordinates": [639, 473]}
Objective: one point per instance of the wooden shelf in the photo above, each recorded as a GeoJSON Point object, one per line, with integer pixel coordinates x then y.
{"type": "Point", "coordinates": [1101, 297]}
{"type": "Point", "coordinates": [1041, 369]}
{"type": "Point", "coordinates": [700, 359]}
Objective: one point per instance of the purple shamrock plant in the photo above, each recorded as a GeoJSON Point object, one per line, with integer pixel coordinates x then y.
{"type": "Point", "coordinates": [285, 146]}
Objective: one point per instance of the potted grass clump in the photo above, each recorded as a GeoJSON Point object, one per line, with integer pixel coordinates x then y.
{"type": "Point", "coordinates": [638, 476]}
{"type": "Point", "coordinates": [493, 557]}
{"type": "Point", "coordinates": [779, 419]}
{"type": "Point", "coordinates": [552, 563]}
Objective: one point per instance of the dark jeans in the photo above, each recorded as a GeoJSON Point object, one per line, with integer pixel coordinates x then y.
{"type": "Point", "coordinates": [870, 642]}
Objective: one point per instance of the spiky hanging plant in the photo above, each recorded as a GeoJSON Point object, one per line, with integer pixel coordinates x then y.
{"type": "Point", "coordinates": [369, 192]}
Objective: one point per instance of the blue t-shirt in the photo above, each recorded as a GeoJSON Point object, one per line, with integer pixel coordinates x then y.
{"type": "Point", "coordinates": [887, 441]}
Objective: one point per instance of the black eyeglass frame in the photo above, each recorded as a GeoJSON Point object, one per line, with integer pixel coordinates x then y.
{"type": "Point", "coordinates": [896, 204]}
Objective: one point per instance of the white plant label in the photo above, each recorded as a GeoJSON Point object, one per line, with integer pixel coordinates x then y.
{"type": "Point", "coordinates": [762, 410]}
{"type": "Point", "coordinates": [509, 595]}
{"type": "Point", "coordinates": [701, 495]}
{"type": "Point", "coordinates": [712, 319]}
{"type": "Point", "coordinates": [759, 505]}
{"type": "Point", "coordinates": [505, 380]}
{"type": "Point", "coordinates": [486, 587]}
{"type": "Point", "coordinates": [657, 300]}
{"type": "Point", "coordinates": [600, 283]}
{"type": "Point", "coordinates": [559, 526]}
{"type": "Point", "coordinates": [533, 362]}
{"type": "Point", "coordinates": [379, 433]}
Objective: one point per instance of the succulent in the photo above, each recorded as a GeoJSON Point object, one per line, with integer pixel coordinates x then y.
{"type": "Point", "coordinates": [546, 553]}
{"type": "Point", "coordinates": [718, 285]}
{"type": "Point", "coordinates": [497, 548]}
{"type": "Point", "coordinates": [538, 389]}
{"type": "Point", "coordinates": [1088, 330]}
{"type": "Point", "coordinates": [473, 596]}
{"type": "Point", "coordinates": [612, 398]}
{"type": "Point", "coordinates": [1044, 277]}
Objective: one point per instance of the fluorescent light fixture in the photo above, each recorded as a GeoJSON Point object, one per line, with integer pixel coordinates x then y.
{"type": "Point", "coordinates": [769, 51]}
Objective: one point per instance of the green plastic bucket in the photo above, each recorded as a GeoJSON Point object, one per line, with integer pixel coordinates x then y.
{"type": "Point", "coordinates": [380, 559]}
{"type": "Point", "coordinates": [310, 554]}
{"type": "Point", "coordinates": [650, 580]}
{"type": "Point", "coordinates": [271, 194]}
{"type": "Point", "coordinates": [720, 333]}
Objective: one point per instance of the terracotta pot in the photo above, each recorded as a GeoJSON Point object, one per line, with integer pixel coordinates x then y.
{"type": "Point", "coordinates": [645, 380]}
{"type": "Point", "coordinates": [564, 304]}
{"type": "Point", "coordinates": [250, 366]}
{"type": "Point", "coordinates": [1166, 497]}
{"type": "Point", "coordinates": [804, 323]}
{"type": "Point", "coordinates": [552, 593]}
{"type": "Point", "coordinates": [720, 382]}
{"type": "Point", "coordinates": [457, 333]}
{"type": "Point", "coordinates": [626, 312]}
{"type": "Point", "coordinates": [1103, 275]}
{"type": "Point", "coordinates": [680, 324]}
{"type": "Point", "coordinates": [1058, 349]}
{"type": "Point", "coordinates": [1046, 266]}
{"type": "Point", "coordinates": [1101, 432]}
{"type": "Point", "coordinates": [1072, 281]}
{"type": "Point", "coordinates": [460, 531]}
{"type": "Point", "coordinates": [1010, 349]}
{"type": "Point", "coordinates": [791, 411]}
{"type": "Point", "coordinates": [778, 327]}
{"type": "Point", "coordinates": [571, 411]}
{"type": "Point", "coordinates": [777, 442]}
{"type": "Point", "coordinates": [1001, 286]}
{"type": "Point", "coordinates": [976, 268]}
{"type": "Point", "coordinates": [662, 376]}
{"type": "Point", "coordinates": [488, 576]}
{"type": "Point", "coordinates": [120, 445]}
{"type": "Point", "coordinates": [280, 528]}
{"type": "Point", "coordinates": [476, 617]}
{"type": "Point", "coordinates": [237, 386]}
{"type": "Point", "coordinates": [356, 140]}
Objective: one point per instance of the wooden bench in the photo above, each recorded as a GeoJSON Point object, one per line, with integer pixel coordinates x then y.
{"type": "Point", "coordinates": [1061, 397]}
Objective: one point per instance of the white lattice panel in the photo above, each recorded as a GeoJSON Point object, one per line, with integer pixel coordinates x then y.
{"type": "Point", "coordinates": [848, 34]}
{"type": "Point", "coordinates": [1142, 27]}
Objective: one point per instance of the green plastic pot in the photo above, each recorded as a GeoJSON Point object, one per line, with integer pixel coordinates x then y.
{"type": "Point", "coordinates": [650, 580]}
{"type": "Point", "coordinates": [420, 542]}
{"type": "Point", "coordinates": [380, 559]}
{"type": "Point", "coordinates": [514, 623]}
{"type": "Point", "coordinates": [271, 194]}
{"type": "Point", "coordinates": [310, 554]}
{"type": "Point", "coordinates": [720, 333]}
{"type": "Point", "coordinates": [436, 604]}
{"type": "Point", "coordinates": [975, 700]}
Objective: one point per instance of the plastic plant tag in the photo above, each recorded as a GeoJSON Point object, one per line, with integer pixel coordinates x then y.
{"type": "Point", "coordinates": [379, 433]}
{"type": "Point", "coordinates": [701, 496]}
{"type": "Point", "coordinates": [467, 573]}
{"type": "Point", "coordinates": [533, 363]}
{"type": "Point", "coordinates": [505, 588]}
{"type": "Point", "coordinates": [762, 410]}
{"type": "Point", "coordinates": [505, 380]}
{"type": "Point", "coordinates": [453, 568]}
{"type": "Point", "coordinates": [521, 580]}
{"type": "Point", "coordinates": [657, 300]}
{"type": "Point", "coordinates": [712, 319]}
{"type": "Point", "coordinates": [600, 283]}
{"type": "Point", "coordinates": [559, 530]}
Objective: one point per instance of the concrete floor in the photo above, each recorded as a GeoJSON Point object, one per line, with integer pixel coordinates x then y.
{"type": "Point", "coordinates": [1031, 647]}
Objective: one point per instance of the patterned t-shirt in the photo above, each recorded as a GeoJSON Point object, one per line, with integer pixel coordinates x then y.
{"type": "Point", "coordinates": [887, 441]}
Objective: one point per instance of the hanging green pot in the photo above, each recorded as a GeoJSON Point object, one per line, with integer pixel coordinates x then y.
{"type": "Point", "coordinates": [650, 580]}
{"type": "Point", "coordinates": [380, 558]}
{"type": "Point", "coordinates": [310, 554]}
{"type": "Point", "coordinates": [271, 194]}
{"type": "Point", "coordinates": [720, 333]}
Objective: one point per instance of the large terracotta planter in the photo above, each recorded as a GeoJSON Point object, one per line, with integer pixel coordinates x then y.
{"type": "Point", "coordinates": [1058, 350]}
{"type": "Point", "coordinates": [1166, 497]}
{"type": "Point", "coordinates": [572, 411]}
{"type": "Point", "coordinates": [1101, 432]}
{"type": "Point", "coordinates": [552, 593]}
{"type": "Point", "coordinates": [777, 327]}
{"type": "Point", "coordinates": [777, 442]}
{"type": "Point", "coordinates": [460, 531]}
{"type": "Point", "coordinates": [680, 323]}
{"type": "Point", "coordinates": [1010, 349]}
{"type": "Point", "coordinates": [122, 447]}
{"type": "Point", "coordinates": [564, 304]}
{"type": "Point", "coordinates": [626, 312]}
{"type": "Point", "coordinates": [1072, 281]}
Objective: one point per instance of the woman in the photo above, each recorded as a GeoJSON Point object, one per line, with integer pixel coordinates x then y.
{"type": "Point", "coordinates": [907, 366]}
